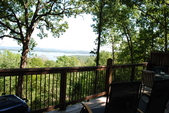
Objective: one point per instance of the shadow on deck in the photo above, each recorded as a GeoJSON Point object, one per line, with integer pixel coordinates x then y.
{"type": "Point", "coordinates": [94, 103]}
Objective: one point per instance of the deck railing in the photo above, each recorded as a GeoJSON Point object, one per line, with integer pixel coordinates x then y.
{"type": "Point", "coordinates": [55, 88]}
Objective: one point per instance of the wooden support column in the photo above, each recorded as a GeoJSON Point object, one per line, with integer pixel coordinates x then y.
{"type": "Point", "coordinates": [63, 91]}
{"type": "Point", "coordinates": [108, 74]}
{"type": "Point", "coordinates": [132, 74]}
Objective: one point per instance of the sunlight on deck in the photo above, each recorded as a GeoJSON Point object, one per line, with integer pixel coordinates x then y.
{"type": "Point", "coordinates": [93, 103]}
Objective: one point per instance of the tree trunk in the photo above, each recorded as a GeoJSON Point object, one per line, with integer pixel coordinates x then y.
{"type": "Point", "coordinates": [23, 63]}
{"type": "Point", "coordinates": [113, 50]}
{"type": "Point", "coordinates": [130, 44]}
{"type": "Point", "coordinates": [152, 37]}
{"type": "Point", "coordinates": [165, 32]}
{"type": "Point", "coordinates": [99, 30]}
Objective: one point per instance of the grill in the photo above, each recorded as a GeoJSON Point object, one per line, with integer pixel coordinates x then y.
{"type": "Point", "coordinates": [13, 104]}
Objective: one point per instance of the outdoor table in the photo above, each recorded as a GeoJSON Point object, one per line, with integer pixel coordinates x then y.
{"type": "Point", "coordinates": [162, 76]}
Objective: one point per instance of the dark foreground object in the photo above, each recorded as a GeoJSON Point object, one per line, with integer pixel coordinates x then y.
{"type": "Point", "coordinates": [12, 104]}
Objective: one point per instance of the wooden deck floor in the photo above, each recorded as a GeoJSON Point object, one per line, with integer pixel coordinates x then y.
{"type": "Point", "coordinates": [97, 102]}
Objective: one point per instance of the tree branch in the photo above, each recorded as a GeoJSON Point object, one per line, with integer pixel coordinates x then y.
{"type": "Point", "coordinates": [6, 16]}
{"type": "Point", "coordinates": [9, 28]}
{"type": "Point", "coordinates": [26, 13]}
{"type": "Point", "coordinates": [10, 37]}
{"type": "Point", "coordinates": [146, 13]}
{"type": "Point", "coordinates": [19, 25]}
{"type": "Point", "coordinates": [30, 27]}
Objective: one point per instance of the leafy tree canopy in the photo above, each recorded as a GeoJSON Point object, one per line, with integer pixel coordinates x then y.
{"type": "Point", "coordinates": [19, 19]}
{"type": "Point", "coordinates": [65, 61]}
{"type": "Point", "coordinates": [9, 60]}
{"type": "Point", "coordinates": [134, 28]}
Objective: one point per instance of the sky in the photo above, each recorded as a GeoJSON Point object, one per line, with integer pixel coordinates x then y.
{"type": "Point", "coordinates": [79, 36]}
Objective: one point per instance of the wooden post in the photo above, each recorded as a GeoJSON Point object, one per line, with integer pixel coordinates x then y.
{"type": "Point", "coordinates": [132, 74]}
{"type": "Point", "coordinates": [108, 74]}
{"type": "Point", "coordinates": [63, 91]}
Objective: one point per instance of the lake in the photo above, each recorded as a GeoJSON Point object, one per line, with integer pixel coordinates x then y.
{"type": "Point", "coordinates": [51, 55]}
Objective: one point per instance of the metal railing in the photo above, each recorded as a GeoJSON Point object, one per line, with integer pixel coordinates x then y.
{"type": "Point", "coordinates": [55, 88]}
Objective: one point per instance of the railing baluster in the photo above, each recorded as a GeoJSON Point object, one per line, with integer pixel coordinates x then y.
{"type": "Point", "coordinates": [89, 78]}
{"type": "Point", "coordinates": [48, 89]}
{"type": "Point", "coordinates": [83, 84]}
{"type": "Point", "coordinates": [10, 85]}
{"type": "Point", "coordinates": [77, 85]}
{"type": "Point", "coordinates": [52, 88]}
{"type": "Point", "coordinates": [40, 91]}
{"type": "Point", "coordinates": [57, 86]}
{"type": "Point", "coordinates": [70, 86]}
{"type": "Point", "coordinates": [36, 97]}
{"type": "Point", "coordinates": [26, 87]}
{"type": "Point", "coordinates": [4, 85]}
{"type": "Point", "coordinates": [16, 78]}
{"type": "Point", "coordinates": [80, 84]}
{"type": "Point", "coordinates": [73, 81]}
{"type": "Point", "coordinates": [44, 91]}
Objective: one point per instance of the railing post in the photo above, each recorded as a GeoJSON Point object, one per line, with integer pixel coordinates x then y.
{"type": "Point", "coordinates": [132, 74]}
{"type": "Point", "coordinates": [108, 73]}
{"type": "Point", "coordinates": [63, 91]}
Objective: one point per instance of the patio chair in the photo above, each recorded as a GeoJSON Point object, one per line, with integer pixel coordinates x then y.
{"type": "Point", "coordinates": [148, 78]}
{"type": "Point", "coordinates": [157, 101]}
{"type": "Point", "coordinates": [123, 98]}
{"type": "Point", "coordinates": [85, 109]}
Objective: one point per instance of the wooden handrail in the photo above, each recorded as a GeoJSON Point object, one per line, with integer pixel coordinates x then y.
{"type": "Point", "coordinates": [29, 71]}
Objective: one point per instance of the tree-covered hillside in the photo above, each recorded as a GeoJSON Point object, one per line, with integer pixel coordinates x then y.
{"type": "Point", "coordinates": [11, 60]}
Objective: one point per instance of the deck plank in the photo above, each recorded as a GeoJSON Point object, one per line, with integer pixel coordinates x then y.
{"type": "Point", "coordinates": [93, 103]}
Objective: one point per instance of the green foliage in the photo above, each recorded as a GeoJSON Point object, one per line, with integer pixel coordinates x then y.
{"type": "Point", "coordinates": [35, 63]}
{"type": "Point", "coordinates": [81, 59]}
{"type": "Point", "coordinates": [90, 61]}
{"type": "Point", "coordinates": [77, 87]}
{"type": "Point", "coordinates": [19, 19]}
{"type": "Point", "coordinates": [9, 60]}
{"type": "Point", "coordinates": [104, 55]}
{"type": "Point", "coordinates": [64, 61]}
{"type": "Point", "coordinates": [133, 28]}
{"type": "Point", "coordinates": [82, 84]}
{"type": "Point", "coordinates": [44, 14]}
{"type": "Point", "coordinates": [49, 63]}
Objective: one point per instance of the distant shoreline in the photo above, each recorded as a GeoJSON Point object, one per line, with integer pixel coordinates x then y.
{"type": "Point", "coordinates": [51, 54]}
{"type": "Point", "coordinates": [37, 49]}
